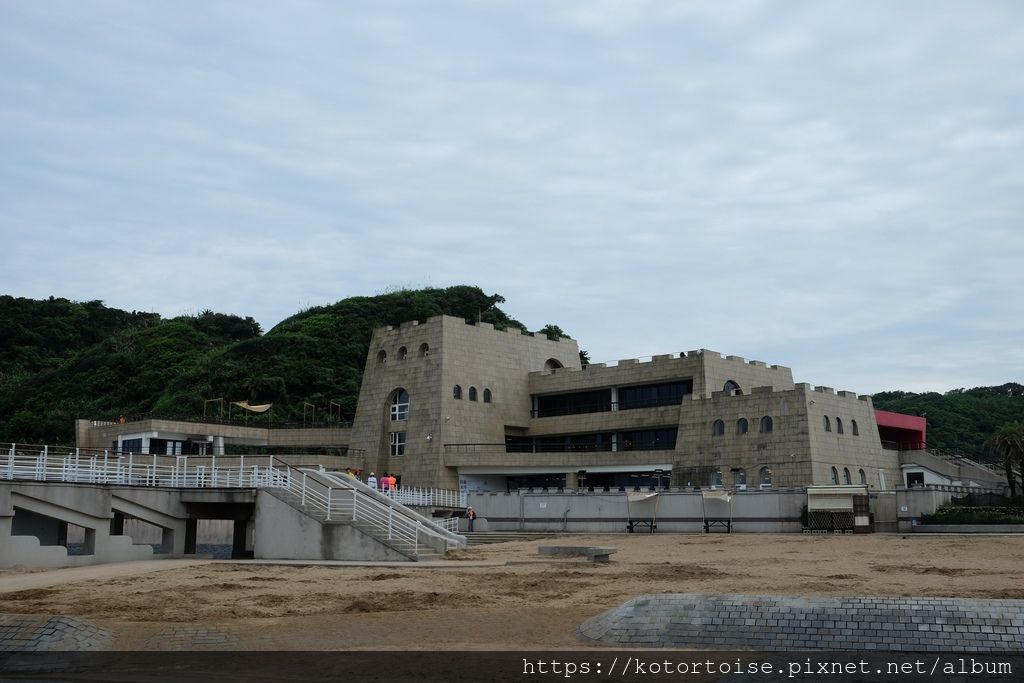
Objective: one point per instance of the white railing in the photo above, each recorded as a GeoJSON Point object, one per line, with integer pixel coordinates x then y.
{"type": "Point", "coordinates": [381, 512]}
{"type": "Point", "coordinates": [430, 497]}
{"type": "Point", "coordinates": [450, 524]}
{"type": "Point", "coordinates": [337, 498]}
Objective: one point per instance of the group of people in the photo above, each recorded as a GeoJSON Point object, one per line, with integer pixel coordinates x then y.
{"type": "Point", "coordinates": [387, 483]}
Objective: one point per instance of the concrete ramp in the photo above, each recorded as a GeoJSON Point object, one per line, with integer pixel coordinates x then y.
{"type": "Point", "coordinates": [776, 623]}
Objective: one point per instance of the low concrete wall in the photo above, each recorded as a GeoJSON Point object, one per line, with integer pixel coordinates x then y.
{"type": "Point", "coordinates": [283, 532]}
{"type": "Point", "coordinates": [968, 528]}
{"type": "Point", "coordinates": [679, 512]}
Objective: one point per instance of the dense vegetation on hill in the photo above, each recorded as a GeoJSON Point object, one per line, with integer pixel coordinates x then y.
{"type": "Point", "coordinates": [961, 418]}
{"type": "Point", "coordinates": [61, 360]}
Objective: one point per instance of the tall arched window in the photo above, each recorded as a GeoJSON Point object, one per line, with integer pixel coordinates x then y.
{"type": "Point", "coordinates": [457, 392]}
{"type": "Point", "coordinates": [716, 479]}
{"type": "Point", "coordinates": [487, 395]}
{"type": "Point", "coordinates": [835, 476]}
{"type": "Point", "coordinates": [856, 430]}
{"type": "Point", "coordinates": [828, 425]}
{"type": "Point", "coordinates": [766, 477]}
{"type": "Point", "coordinates": [839, 425]}
{"type": "Point", "coordinates": [403, 353]}
{"type": "Point", "coordinates": [718, 429]}
{"type": "Point", "coordinates": [400, 405]}
{"type": "Point", "coordinates": [382, 356]}
{"type": "Point", "coordinates": [732, 386]}
{"type": "Point", "coordinates": [846, 476]}
{"type": "Point", "coordinates": [424, 350]}
{"type": "Point", "coordinates": [740, 477]}
{"type": "Point", "coordinates": [767, 424]}
{"type": "Point", "coordinates": [472, 393]}
{"type": "Point", "coordinates": [742, 426]}
{"type": "Point", "coordinates": [863, 478]}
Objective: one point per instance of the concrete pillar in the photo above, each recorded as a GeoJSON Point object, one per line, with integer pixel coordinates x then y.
{"type": "Point", "coordinates": [615, 398]}
{"type": "Point", "coordinates": [572, 480]}
{"type": "Point", "coordinates": [218, 445]}
{"type": "Point", "coordinates": [166, 540]}
{"type": "Point", "coordinates": [191, 527]}
{"type": "Point", "coordinates": [89, 546]}
{"type": "Point", "coordinates": [62, 533]}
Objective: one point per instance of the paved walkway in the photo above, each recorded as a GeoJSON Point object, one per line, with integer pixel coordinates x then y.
{"type": "Point", "coordinates": [771, 622]}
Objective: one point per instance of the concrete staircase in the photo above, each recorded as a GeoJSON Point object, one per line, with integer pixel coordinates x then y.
{"type": "Point", "coordinates": [957, 468]}
{"type": "Point", "coordinates": [417, 552]}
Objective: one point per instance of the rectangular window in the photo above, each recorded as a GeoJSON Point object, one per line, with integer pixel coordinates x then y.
{"type": "Point", "coordinates": [599, 401]}
{"type": "Point", "coordinates": [397, 443]}
{"type": "Point", "coordinates": [131, 446]}
{"type": "Point", "coordinates": [651, 395]}
{"type": "Point", "coordinates": [400, 411]}
{"type": "Point", "coordinates": [648, 440]}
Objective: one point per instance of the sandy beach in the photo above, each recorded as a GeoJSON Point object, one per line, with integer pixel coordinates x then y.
{"type": "Point", "coordinates": [502, 596]}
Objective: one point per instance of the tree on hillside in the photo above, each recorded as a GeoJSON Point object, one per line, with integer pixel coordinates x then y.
{"type": "Point", "coordinates": [1008, 442]}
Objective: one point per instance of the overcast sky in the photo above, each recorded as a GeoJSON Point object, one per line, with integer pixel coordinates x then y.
{"type": "Point", "coordinates": [835, 187]}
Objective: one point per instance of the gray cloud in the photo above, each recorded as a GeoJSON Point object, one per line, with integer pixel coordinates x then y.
{"type": "Point", "coordinates": [832, 187]}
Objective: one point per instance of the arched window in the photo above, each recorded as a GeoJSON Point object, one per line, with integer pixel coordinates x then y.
{"type": "Point", "coordinates": [828, 425]}
{"type": "Point", "coordinates": [552, 364]}
{"type": "Point", "coordinates": [403, 353]}
{"type": "Point", "coordinates": [732, 386]}
{"type": "Point", "coordinates": [856, 430]}
{"type": "Point", "coordinates": [382, 357]}
{"type": "Point", "coordinates": [487, 395]}
{"type": "Point", "coordinates": [846, 476]}
{"type": "Point", "coordinates": [457, 392]}
{"type": "Point", "coordinates": [424, 350]}
{"type": "Point", "coordinates": [863, 478]}
{"type": "Point", "coordinates": [742, 426]}
{"type": "Point", "coordinates": [835, 476]}
{"type": "Point", "coordinates": [839, 425]}
{"type": "Point", "coordinates": [766, 477]}
{"type": "Point", "coordinates": [741, 477]}
{"type": "Point", "coordinates": [767, 424]}
{"type": "Point", "coordinates": [400, 405]}
{"type": "Point", "coordinates": [472, 393]}
{"type": "Point", "coordinates": [716, 479]}
{"type": "Point", "coordinates": [718, 429]}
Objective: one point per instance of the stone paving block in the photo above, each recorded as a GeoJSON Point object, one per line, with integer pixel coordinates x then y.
{"type": "Point", "coordinates": [781, 622]}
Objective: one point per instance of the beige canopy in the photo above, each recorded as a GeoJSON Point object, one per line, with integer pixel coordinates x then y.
{"type": "Point", "coordinates": [244, 405]}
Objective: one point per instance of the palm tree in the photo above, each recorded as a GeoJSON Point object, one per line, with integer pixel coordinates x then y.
{"type": "Point", "coordinates": [1008, 443]}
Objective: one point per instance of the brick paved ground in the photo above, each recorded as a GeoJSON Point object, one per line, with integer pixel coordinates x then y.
{"type": "Point", "coordinates": [33, 633]}
{"type": "Point", "coordinates": [785, 623]}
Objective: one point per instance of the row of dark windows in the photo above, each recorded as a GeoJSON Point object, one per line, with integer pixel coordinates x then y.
{"type": "Point", "coordinates": [846, 476]}
{"type": "Point", "coordinates": [767, 424]}
{"type": "Point", "coordinates": [600, 400]}
{"type": "Point", "coordinates": [457, 394]}
{"type": "Point", "coordinates": [839, 425]}
{"type": "Point", "coordinates": [636, 440]}
{"type": "Point", "coordinates": [403, 353]}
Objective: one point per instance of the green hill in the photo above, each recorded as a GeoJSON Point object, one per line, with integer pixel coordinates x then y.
{"type": "Point", "coordinates": [65, 360]}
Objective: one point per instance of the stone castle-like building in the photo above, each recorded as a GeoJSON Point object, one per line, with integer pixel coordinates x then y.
{"type": "Point", "coordinates": [450, 404]}
{"type": "Point", "coordinates": [446, 403]}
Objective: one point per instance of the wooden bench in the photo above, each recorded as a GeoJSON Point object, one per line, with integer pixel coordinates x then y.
{"type": "Point", "coordinates": [591, 552]}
